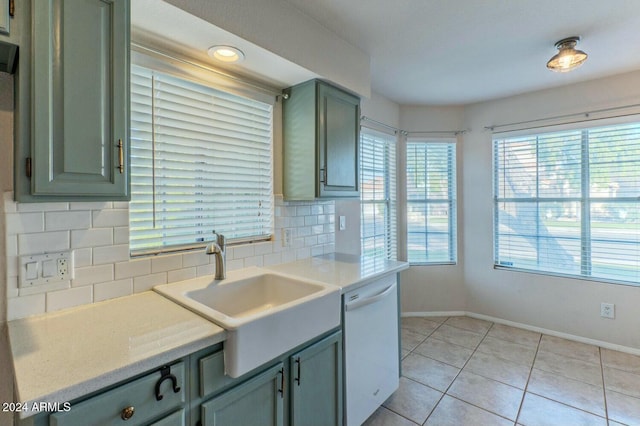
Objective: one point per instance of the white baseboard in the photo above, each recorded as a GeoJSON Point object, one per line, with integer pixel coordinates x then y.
{"type": "Point", "coordinates": [434, 314]}
{"type": "Point", "coordinates": [602, 344]}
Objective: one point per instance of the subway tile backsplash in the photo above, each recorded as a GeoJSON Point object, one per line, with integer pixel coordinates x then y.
{"type": "Point", "coordinates": [98, 234]}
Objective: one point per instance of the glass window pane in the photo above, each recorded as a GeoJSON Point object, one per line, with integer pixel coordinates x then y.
{"type": "Point", "coordinates": [431, 192]}
{"type": "Point", "coordinates": [578, 212]}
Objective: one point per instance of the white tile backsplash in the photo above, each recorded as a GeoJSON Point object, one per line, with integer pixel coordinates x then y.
{"type": "Point", "coordinates": [63, 299]}
{"type": "Point", "coordinates": [98, 233]}
{"type": "Point", "coordinates": [112, 289]}
{"type": "Point", "coordinates": [41, 242]}
{"type": "Point", "coordinates": [55, 221]}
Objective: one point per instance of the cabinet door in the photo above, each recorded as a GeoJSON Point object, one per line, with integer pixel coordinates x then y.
{"type": "Point", "coordinates": [316, 383]}
{"type": "Point", "coordinates": [338, 132]}
{"type": "Point", "coordinates": [80, 99]}
{"type": "Point", "coordinates": [257, 402]}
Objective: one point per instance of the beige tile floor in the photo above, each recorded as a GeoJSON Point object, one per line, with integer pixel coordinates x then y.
{"type": "Point", "coordinates": [462, 371]}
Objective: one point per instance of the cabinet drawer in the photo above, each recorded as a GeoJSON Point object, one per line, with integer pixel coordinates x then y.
{"type": "Point", "coordinates": [212, 377]}
{"type": "Point", "coordinates": [173, 419]}
{"type": "Point", "coordinates": [108, 408]}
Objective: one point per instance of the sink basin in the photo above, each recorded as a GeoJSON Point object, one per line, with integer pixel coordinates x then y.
{"type": "Point", "coordinates": [265, 313]}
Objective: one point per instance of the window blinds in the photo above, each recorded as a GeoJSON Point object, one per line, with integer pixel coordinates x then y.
{"type": "Point", "coordinates": [567, 202]}
{"type": "Point", "coordinates": [431, 202]}
{"type": "Point", "coordinates": [201, 160]}
{"type": "Point", "coordinates": [378, 194]}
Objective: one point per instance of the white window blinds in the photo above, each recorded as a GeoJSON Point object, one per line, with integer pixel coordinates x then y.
{"type": "Point", "coordinates": [431, 202]}
{"type": "Point", "coordinates": [378, 194]}
{"type": "Point", "coordinates": [567, 202]}
{"type": "Point", "coordinates": [200, 161]}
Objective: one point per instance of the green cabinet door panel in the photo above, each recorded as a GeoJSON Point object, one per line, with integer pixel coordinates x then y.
{"type": "Point", "coordinates": [80, 99]}
{"type": "Point", "coordinates": [321, 126]}
{"type": "Point", "coordinates": [316, 384]}
{"type": "Point", "coordinates": [339, 118]}
{"type": "Point", "coordinates": [257, 402]}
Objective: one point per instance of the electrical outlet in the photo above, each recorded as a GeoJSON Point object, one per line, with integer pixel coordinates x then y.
{"type": "Point", "coordinates": [608, 310]}
{"type": "Point", "coordinates": [45, 269]}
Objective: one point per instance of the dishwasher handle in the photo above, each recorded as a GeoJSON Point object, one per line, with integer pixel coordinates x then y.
{"type": "Point", "coordinates": [369, 300]}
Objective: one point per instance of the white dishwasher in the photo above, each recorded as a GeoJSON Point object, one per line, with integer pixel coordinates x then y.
{"type": "Point", "coordinates": [370, 347]}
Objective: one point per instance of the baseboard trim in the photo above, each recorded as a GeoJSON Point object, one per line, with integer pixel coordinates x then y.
{"type": "Point", "coordinates": [602, 344]}
{"type": "Point", "coordinates": [434, 314]}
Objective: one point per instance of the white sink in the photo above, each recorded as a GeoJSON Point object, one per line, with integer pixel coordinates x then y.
{"type": "Point", "coordinates": [265, 313]}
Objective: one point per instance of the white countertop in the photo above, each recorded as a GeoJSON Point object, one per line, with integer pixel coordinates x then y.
{"type": "Point", "coordinates": [343, 270]}
{"type": "Point", "coordinates": [62, 356]}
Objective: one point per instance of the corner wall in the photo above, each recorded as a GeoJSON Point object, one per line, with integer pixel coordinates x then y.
{"type": "Point", "coordinates": [435, 288]}
{"type": "Point", "coordinates": [561, 304]}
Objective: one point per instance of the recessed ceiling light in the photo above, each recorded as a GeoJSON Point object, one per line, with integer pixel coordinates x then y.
{"type": "Point", "coordinates": [227, 54]}
{"type": "Point", "coordinates": [568, 58]}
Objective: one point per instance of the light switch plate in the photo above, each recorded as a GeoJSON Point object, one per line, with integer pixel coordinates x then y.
{"type": "Point", "coordinates": [46, 268]}
{"type": "Point", "coordinates": [342, 223]}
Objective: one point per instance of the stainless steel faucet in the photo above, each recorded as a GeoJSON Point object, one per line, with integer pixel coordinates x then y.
{"type": "Point", "coordinates": [217, 248]}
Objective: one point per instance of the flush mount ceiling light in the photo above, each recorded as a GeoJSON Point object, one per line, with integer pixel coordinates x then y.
{"type": "Point", "coordinates": [568, 57]}
{"type": "Point", "coordinates": [228, 54]}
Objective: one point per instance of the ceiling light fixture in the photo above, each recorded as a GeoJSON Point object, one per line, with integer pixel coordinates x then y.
{"type": "Point", "coordinates": [228, 54]}
{"type": "Point", "coordinates": [568, 57]}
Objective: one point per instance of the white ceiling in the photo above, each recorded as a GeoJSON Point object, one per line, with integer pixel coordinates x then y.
{"type": "Point", "coordinates": [448, 52]}
{"type": "Point", "coordinates": [436, 52]}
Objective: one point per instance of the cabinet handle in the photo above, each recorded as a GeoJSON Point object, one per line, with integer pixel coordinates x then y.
{"type": "Point", "coordinates": [120, 156]}
{"type": "Point", "coordinates": [323, 177]}
{"type": "Point", "coordinates": [165, 373]}
{"type": "Point", "coordinates": [281, 390]}
{"type": "Point", "coordinates": [127, 413]}
{"type": "Point", "coordinates": [297, 379]}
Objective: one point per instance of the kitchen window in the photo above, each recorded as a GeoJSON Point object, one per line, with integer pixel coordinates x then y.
{"type": "Point", "coordinates": [566, 202]}
{"type": "Point", "coordinates": [201, 160]}
{"type": "Point", "coordinates": [378, 194]}
{"type": "Point", "coordinates": [431, 202]}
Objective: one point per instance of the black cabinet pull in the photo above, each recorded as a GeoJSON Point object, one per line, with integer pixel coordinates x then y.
{"type": "Point", "coordinates": [298, 375]}
{"type": "Point", "coordinates": [165, 373]}
{"type": "Point", "coordinates": [281, 390]}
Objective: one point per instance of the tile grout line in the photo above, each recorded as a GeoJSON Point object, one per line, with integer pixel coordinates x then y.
{"type": "Point", "coordinates": [463, 366]}
{"type": "Point", "coordinates": [526, 386]}
{"type": "Point", "coordinates": [604, 388]}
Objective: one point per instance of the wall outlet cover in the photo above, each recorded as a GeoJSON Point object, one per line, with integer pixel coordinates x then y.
{"type": "Point", "coordinates": [608, 310]}
{"type": "Point", "coordinates": [45, 269]}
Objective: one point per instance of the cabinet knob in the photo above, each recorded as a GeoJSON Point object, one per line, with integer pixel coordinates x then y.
{"type": "Point", "coordinates": [127, 413]}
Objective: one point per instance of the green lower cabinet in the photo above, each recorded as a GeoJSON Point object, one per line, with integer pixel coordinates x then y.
{"type": "Point", "coordinates": [257, 402]}
{"type": "Point", "coordinates": [173, 419]}
{"type": "Point", "coordinates": [302, 387]}
{"type": "Point", "coordinates": [135, 403]}
{"type": "Point", "coordinates": [316, 384]}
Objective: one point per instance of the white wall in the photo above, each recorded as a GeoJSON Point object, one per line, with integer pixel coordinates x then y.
{"type": "Point", "coordinates": [284, 30]}
{"type": "Point", "coordinates": [436, 288]}
{"type": "Point", "coordinates": [384, 111]}
{"type": "Point", "coordinates": [564, 305]}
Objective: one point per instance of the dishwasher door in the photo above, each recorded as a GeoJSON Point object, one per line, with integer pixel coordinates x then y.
{"type": "Point", "coordinates": [370, 347]}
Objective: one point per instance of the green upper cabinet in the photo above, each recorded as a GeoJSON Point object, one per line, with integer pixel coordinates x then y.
{"type": "Point", "coordinates": [321, 136]}
{"type": "Point", "coordinates": [79, 123]}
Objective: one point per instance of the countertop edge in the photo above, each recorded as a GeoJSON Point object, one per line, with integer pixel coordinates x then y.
{"type": "Point", "coordinates": [366, 280]}
{"type": "Point", "coordinates": [113, 377]}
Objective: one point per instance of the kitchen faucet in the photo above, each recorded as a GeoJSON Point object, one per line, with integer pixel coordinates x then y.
{"type": "Point", "coordinates": [217, 248]}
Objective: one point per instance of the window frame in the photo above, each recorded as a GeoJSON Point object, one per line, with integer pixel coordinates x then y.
{"type": "Point", "coordinates": [586, 200]}
{"type": "Point", "coordinates": [201, 75]}
{"type": "Point", "coordinates": [389, 144]}
{"type": "Point", "coordinates": [451, 201]}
